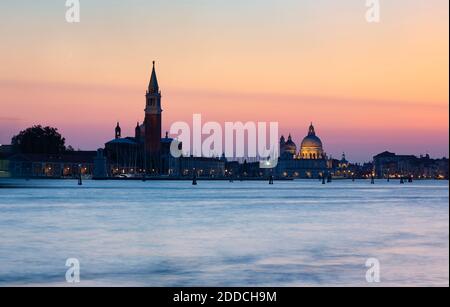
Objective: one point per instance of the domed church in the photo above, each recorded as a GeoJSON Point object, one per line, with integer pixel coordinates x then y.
{"type": "Point", "coordinates": [311, 147]}
{"type": "Point", "coordinates": [309, 162]}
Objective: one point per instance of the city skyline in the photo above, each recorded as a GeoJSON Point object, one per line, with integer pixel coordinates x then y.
{"type": "Point", "coordinates": [208, 146]}
{"type": "Point", "coordinates": [367, 87]}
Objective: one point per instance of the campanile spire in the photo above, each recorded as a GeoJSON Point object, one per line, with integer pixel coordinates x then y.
{"type": "Point", "coordinates": [153, 87]}
{"type": "Point", "coordinates": [153, 122]}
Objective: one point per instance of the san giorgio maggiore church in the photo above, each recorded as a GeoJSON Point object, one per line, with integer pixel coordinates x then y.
{"type": "Point", "coordinates": [146, 152]}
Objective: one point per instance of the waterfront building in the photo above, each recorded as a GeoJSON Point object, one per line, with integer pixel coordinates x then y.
{"type": "Point", "coordinates": [124, 156]}
{"type": "Point", "coordinates": [309, 162]}
{"type": "Point", "coordinates": [100, 166]}
{"type": "Point", "coordinates": [388, 164]}
{"type": "Point", "coordinates": [202, 167]}
{"type": "Point", "coordinates": [343, 168]}
{"type": "Point", "coordinates": [65, 165]}
{"type": "Point", "coordinates": [147, 153]}
{"type": "Point", "coordinates": [5, 152]}
{"type": "Point", "coordinates": [142, 153]}
{"type": "Point", "coordinates": [232, 169]}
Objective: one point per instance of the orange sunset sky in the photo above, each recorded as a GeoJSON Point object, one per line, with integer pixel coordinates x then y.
{"type": "Point", "coordinates": [367, 87]}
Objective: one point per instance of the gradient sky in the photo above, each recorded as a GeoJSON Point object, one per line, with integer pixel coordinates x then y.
{"type": "Point", "coordinates": [367, 87]}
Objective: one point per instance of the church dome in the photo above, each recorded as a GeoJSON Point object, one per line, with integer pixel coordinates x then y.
{"type": "Point", "coordinates": [311, 147]}
{"type": "Point", "coordinates": [312, 141]}
{"type": "Point", "coordinates": [290, 146]}
{"type": "Point", "coordinates": [290, 142]}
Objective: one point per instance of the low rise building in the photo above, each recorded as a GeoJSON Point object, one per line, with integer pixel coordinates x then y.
{"type": "Point", "coordinates": [388, 164]}
{"type": "Point", "coordinates": [5, 152]}
{"type": "Point", "coordinates": [65, 165]}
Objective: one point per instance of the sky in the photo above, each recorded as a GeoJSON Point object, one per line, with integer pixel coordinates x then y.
{"type": "Point", "coordinates": [367, 87]}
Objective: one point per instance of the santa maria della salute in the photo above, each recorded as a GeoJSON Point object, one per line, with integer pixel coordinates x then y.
{"type": "Point", "coordinates": [310, 161]}
{"type": "Point", "coordinates": [311, 148]}
{"type": "Point", "coordinates": [147, 154]}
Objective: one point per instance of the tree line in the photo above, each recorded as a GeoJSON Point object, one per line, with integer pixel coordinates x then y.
{"type": "Point", "coordinates": [40, 140]}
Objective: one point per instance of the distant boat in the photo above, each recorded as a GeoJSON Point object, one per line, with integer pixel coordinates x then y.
{"type": "Point", "coordinates": [125, 176]}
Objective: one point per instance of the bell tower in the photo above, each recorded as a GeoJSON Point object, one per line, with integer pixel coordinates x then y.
{"type": "Point", "coordinates": [153, 121]}
{"type": "Point", "coordinates": [118, 131]}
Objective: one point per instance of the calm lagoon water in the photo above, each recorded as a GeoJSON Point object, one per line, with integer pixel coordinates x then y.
{"type": "Point", "coordinates": [169, 233]}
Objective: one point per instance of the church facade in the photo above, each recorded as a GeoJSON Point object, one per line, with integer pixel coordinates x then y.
{"type": "Point", "coordinates": [147, 153]}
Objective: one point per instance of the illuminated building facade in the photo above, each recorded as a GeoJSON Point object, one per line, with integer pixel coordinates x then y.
{"type": "Point", "coordinates": [309, 162]}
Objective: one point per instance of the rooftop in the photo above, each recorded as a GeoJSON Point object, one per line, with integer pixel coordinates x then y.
{"type": "Point", "coordinates": [69, 157]}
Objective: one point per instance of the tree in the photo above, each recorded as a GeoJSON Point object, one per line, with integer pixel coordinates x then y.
{"type": "Point", "coordinates": [38, 139]}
